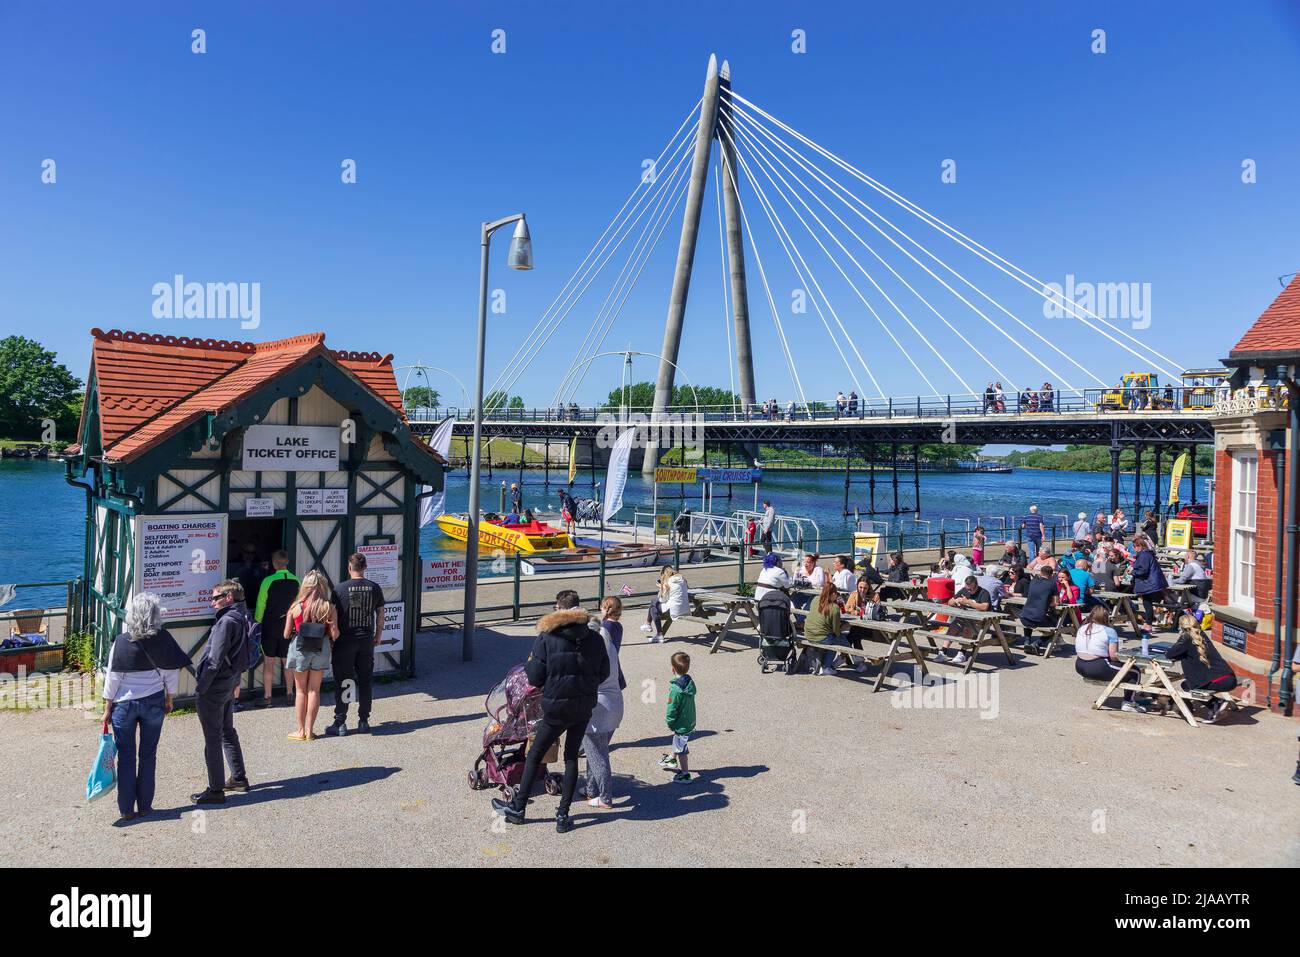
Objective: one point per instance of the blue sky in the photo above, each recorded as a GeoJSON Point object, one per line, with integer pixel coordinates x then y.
{"type": "Point", "coordinates": [1122, 167]}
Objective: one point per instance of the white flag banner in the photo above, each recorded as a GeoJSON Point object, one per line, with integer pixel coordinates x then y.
{"type": "Point", "coordinates": [435, 505]}
{"type": "Point", "coordinates": [616, 474]}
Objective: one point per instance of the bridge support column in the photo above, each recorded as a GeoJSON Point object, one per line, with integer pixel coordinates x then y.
{"type": "Point", "coordinates": [685, 257]}
{"type": "Point", "coordinates": [735, 247]}
{"type": "Point", "coordinates": [1114, 468]}
{"type": "Point", "coordinates": [1137, 484]}
{"type": "Point", "coordinates": [1191, 464]}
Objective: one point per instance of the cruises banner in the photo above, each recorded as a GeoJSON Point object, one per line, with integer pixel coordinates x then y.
{"type": "Point", "coordinates": [616, 476]}
{"type": "Point", "coordinates": [435, 505]}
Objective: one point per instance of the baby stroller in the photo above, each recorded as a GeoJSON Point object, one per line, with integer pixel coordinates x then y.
{"type": "Point", "coordinates": [776, 632]}
{"type": "Point", "coordinates": [514, 706]}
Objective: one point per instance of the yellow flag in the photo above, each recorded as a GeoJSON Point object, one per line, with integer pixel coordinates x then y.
{"type": "Point", "coordinates": [1175, 477]}
{"type": "Point", "coordinates": [573, 459]}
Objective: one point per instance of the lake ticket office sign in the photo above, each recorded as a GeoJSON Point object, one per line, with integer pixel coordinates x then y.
{"type": "Point", "coordinates": [181, 558]}
{"type": "Point", "coordinates": [301, 448]}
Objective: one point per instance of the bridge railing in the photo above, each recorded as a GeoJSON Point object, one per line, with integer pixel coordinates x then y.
{"type": "Point", "coordinates": [1028, 402]}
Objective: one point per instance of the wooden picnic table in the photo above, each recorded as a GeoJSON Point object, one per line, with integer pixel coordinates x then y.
{"type": "Point", "coordinates": [1121, 602]}
{"type": "Point", "coordinates": [909, 589]}
{"type": "Point", "coordinates": [891, 632]}
{"type": "Point", "coordinates": [1067, 617]}
{"type": "Point", "coordinates": [1154, 673]}
{"type": "Point", "coordinates": [707, 605]}
{"type": "Point", "coordinates": [988, 627]}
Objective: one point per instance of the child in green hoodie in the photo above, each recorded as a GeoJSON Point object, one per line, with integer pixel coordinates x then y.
{"type": "Point", "coordinates": [680, 717]}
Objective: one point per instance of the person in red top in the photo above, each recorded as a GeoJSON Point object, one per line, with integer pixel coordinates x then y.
{"type": "Point", "coordinates": [1067, 592]}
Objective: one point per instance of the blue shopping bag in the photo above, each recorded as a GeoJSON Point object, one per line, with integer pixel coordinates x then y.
{"type": "Point", "coordinates": [103, 776]}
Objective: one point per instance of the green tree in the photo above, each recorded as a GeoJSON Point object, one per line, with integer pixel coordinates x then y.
{"type": "Point", "coordinates": [420, 397]}
{"type": "Point", "coordinates": [497, 400]}
{"type": "Point", "coordinates": [641, 396]}
{"type": "Point", "coordinates": [34, 386]}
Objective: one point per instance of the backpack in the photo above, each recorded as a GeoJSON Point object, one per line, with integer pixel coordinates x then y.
{"type": "Point", "coordinates": [253, 646]}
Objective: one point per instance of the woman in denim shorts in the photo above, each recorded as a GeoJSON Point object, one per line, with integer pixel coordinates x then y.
{"type": "Point", "coordinates": [313, 605]}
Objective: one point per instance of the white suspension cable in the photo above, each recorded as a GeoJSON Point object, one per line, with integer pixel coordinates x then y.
{"type": "Point", "coordinates": [844, 195]}
{"type": "Point", "coordinates": [673, 199]}
{"type": "Point", "coordinates": [889, 332]}
{"type": "Point", "coordinates": [758, 261]}
{"type": "Point", "coordinates": [576, 296]}
{"type": "Point", "coordinates": [960, 378]}
{"type": "Point", "coordinates": [1037, 286]}
{"type": "Point", "coordinates": [932, 308]}
{"type": "Point", "coordinates": [1050, 371]}
{"type": "Point", "coordinates": [787, 243]}
{"type": "Point", "coordinates": [526, 347]}
{"type": "Point", "coordinates": [580, 354]}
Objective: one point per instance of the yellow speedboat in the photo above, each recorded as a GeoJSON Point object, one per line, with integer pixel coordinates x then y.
{"type": "Point", "coordinates": [519, 537]}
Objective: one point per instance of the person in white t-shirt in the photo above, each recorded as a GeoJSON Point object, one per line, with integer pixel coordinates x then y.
{"type": "Point", "coordinates": [673, 601]}
{"type": "Point", "coordinates": [843, 576]}
{"type": "Point", "coordinates": [1096, 652]}
{"type": "Point", "coordinates": [772, 576]}
{"type": "Point", "coordinates": [809, 575]}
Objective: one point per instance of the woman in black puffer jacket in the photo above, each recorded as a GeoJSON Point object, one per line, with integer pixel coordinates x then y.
{"type": "Point", "coordinates": [568, 662]}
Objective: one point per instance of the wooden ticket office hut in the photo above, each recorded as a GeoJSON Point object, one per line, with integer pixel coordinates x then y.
{"type": "Point", "coordinates": [172, 498]}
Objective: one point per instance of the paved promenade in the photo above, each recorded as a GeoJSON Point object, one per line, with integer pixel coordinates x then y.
{"type": "Point", "coordinates": [793, 771]}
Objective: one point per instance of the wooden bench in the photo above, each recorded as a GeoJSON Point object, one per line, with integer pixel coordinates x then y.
{"type": "Point", "coordinates": [880, 659]}
{"type": "Point", "coordinates": [899, 636]}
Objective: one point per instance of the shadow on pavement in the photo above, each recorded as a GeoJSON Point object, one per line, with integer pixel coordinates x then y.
{"type": "Point", "coordinates": [283, 790]}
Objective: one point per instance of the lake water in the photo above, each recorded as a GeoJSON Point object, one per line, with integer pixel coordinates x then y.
{"type": "Point", "coordinates": [42, 518]}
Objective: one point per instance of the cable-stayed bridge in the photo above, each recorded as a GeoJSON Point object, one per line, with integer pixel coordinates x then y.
{"type": "Point", "coordinates": [891, 295]}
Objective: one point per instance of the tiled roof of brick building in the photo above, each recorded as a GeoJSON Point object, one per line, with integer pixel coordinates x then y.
{"type": "Point", "coordinates": [152, 386]}
{"type": "Point", "coordinates": [1276, 333]}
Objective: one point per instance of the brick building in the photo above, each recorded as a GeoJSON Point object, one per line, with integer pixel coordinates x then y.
{"type": "Point", "coordinates": [1255, 460]}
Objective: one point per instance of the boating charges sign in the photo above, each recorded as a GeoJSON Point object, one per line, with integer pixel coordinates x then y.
{"type": "Point", "coordinates": [180, 559]}
{"type": "Point", "coordinates": [301, 448]}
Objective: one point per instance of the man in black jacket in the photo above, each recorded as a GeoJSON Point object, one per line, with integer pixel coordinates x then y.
{"type": "Point", "coordinates": [568, 662]}
{"type": "Point", "coordinates": [218, 674]}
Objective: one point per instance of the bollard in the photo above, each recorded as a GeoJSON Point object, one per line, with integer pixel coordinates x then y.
{"type": "Point", "coordinates": [943, 543]}
{"type": "Point", "coordinates": [740, 574]}
{"type": "Point", "coordinates": [514, 613]}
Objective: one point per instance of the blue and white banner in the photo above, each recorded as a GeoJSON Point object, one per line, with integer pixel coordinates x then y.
{"type": "Point", "coordinates": [435, 505]}
{"type": "Point", "coordinates": [728, 475]}
{"type": "Point", "coordinates": [616, 475]}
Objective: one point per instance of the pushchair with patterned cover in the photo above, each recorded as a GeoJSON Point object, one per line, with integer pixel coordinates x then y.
{"type": "Point", "coordinates": [514, 707]}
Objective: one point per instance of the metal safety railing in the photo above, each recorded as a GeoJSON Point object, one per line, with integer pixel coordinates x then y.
{"type": "Point", "coordinates": [1192, 400]}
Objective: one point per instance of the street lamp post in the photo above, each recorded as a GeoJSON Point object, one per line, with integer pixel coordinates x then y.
{"type": "Point", "coordinates": [519, 257]}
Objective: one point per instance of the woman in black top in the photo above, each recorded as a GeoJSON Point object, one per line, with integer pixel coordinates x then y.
{"type": "Point", "coordinates": [1203, 667]}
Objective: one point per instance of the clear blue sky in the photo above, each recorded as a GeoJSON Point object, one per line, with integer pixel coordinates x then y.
{"type": "Point", "coordinates": [1122, 167]}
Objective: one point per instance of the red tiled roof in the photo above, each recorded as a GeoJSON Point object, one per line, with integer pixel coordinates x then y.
{"type": "Point", "coordinates": [1277, 330]}
{"type": "Point", "coordinates": [152, 386]}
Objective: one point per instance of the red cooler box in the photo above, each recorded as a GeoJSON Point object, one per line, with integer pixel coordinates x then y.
{"type": "Point", "coordinates": [939, 589]}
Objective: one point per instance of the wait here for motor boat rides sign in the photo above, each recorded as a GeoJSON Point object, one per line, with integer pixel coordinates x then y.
{"type": "Point", "coordinates": [302, 448]}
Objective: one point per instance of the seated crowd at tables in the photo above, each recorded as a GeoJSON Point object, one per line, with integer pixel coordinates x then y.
{"type": "Point", "coordinates": [1046, 582]}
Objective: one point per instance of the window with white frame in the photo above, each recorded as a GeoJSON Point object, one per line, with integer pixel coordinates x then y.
{"type": "Point", "coordinates": [1241, 573]}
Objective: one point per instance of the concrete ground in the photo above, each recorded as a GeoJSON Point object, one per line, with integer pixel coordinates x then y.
{"type": "Point", "coordinates": [795, 770]}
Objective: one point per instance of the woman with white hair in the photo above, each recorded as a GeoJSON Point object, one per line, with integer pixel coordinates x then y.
{"type": "Point", "coordinates": [141, 678]}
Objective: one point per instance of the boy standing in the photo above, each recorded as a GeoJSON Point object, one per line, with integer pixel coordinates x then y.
{"type": "Point", "coordinates": [680, 718]}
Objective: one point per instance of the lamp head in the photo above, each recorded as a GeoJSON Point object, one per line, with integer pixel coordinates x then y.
{"type": "Point", "coordinates": [521, 248]}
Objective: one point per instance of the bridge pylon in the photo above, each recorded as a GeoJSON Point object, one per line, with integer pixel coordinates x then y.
{"type": "Point", "coordinates": [712, 114]}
